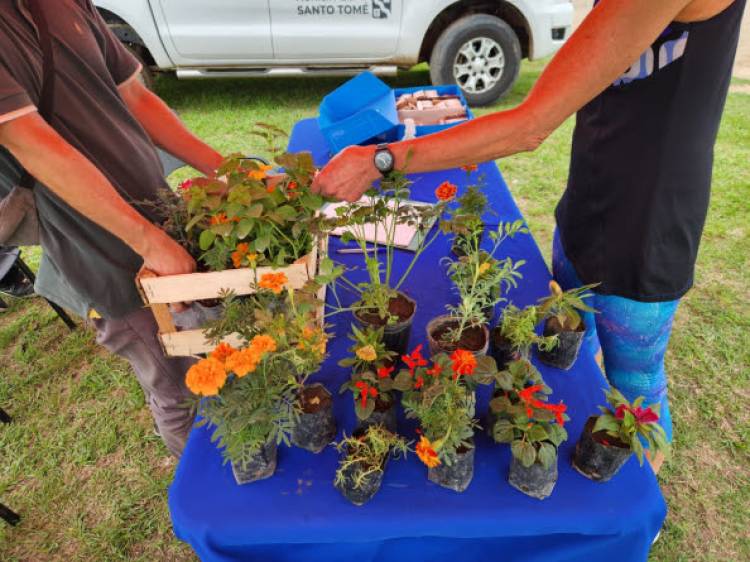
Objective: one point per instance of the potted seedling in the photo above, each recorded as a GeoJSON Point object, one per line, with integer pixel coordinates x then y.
{"type": "Point", "coordinates": [518, 375]}
{"type": "Point", "coordinates": [534, 430]}
{"type": "Point", "coordinates": [364, 457]}
{"type": "Point", "coordinates": [561, 311]}
{"type": "Point", "coordinates": [380, 302]}
{"type": "Point", "coordinates": [371, 383]}
{"type": "Point", "coordinates": [248, 397]}
{"type": "Point", "coordinates": [480, 281]}
{"type": "Point", "coordinates": [608, 440]}
{"type": "Point", "coordinates": [515, 334]}
{"type": "Point", "coordinates": [438, 394]}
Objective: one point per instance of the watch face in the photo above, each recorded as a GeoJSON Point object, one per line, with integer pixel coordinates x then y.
{"type": "Point", "coordinates": [384, 161]}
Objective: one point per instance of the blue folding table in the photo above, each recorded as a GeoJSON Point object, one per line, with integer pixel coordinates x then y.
{"type": "Point", "coordinates": [297, 515]}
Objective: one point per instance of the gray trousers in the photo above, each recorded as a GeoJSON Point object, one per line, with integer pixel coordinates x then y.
{"type": "Point", "coordinates": [162, 378]}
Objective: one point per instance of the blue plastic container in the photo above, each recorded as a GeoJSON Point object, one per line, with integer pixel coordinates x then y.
{"type": "Point", "coordinates": [358, 111]}
{"type": "Point", "coordinates": [448, 90]}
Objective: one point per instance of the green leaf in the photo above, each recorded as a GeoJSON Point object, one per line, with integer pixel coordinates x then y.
{"type": "Point", "coordinates": [502, 431]}
{"type": "Point", "coordinates": [244, 228]}
{"type": "Point", "coordinates": [547, 455]}
{"type": "Point", "coordinates": [524, 452]}
{"type": "Point", "coordinates": [261, 243]}
{"type": "Point", "coordinates": [402, 381]}
{"type": "Point", "coordinates": [254, 211]}
{"type": "Point", "coordinates": [206, 239]}
{"type": "Point", "coordinates": [364, 413]}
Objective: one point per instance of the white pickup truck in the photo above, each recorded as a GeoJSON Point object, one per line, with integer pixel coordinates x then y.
{"type": "Point", "coordinates": [477, 44]}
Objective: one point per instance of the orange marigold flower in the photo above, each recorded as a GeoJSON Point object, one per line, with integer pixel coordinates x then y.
{"type": "Point", "coordinates": [484, 267]}
{"type": "Point", "coordinates": [427, 453]}
{"type": "Point", "coordinates": [273, 281]}
{"type": "Point", "coordinates": [206, 377]}
{"type": "Point", "coordinates": [263, 344]}
{"type": "Point", "coordinates": [222, 352]}
{"type": "Point", "coordinates": [464, 363]}
{"type": "Point", "coordinates": [240, 254]}
{"type": "Point", "coordinates": [220, 218]}
{"type": "Point", "coordinates": [243, 362]}
{"type": "Point", "coordinates": [259, 174]}
{"type": "Point", "coordinates": [446, 191]}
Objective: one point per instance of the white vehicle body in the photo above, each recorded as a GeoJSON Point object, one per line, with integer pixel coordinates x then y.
{"type": "Point", "coordinates": [231, 38]}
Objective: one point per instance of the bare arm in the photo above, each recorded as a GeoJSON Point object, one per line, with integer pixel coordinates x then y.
{"type": "Point", "coordinates": [166, 130]}
{"type": "Point", "coordinates": [613, 35]}
{"type": "Point", "coordinates": [72, 177]}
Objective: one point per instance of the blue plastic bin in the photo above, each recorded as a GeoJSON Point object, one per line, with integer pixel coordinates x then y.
{"type": "Point", "coordinates": [359, 110]}
{"type": "Point", "coordinates": [448, 90]}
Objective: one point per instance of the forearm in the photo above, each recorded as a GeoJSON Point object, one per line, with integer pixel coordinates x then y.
{"type": "Point", "coordinates": [73, 178]}
{"type": "Point", "coordinates": [167, 131]}
{"type": "Point", "coordinates": [609, 40]}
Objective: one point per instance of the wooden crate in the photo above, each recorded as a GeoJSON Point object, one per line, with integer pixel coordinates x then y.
{"type": "Point", "coordinates": [159, 292]}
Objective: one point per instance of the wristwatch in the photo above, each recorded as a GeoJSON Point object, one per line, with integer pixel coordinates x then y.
{"type": "Point", "coordinates": [384, 159]}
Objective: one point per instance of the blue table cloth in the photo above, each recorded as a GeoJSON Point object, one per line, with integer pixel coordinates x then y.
{"type": "Point", "coordinates": [297, 515]}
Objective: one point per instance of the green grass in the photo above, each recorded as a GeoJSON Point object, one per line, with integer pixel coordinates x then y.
{"type": "Point", "coordinates": [83, 467]}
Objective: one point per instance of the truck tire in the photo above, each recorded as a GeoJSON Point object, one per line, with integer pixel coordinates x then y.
{"type": "Point", "coordinates": [146, 77]}
{"type": "Point", "coordinates": [481, 54]}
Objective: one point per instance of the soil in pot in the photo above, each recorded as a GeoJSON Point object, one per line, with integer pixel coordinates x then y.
{"type": "Point", "coordinates": [458, 475]}
{"type": "Point", "coordinates": [395, 336]}
{"type": "Point", "coordinates": [262, 465]}
{"type": "Point", "coordinates": [564, 354]}
{"type": "Point", "coordinates": [473, 338]}
{"type": "Point", "coordinates": [535, 481]}
{"type": "Point", "coordinates": [316, 427]}
{"type": "Point", "coordinates": [598, 456]}
{"type": "Point", "coordinates": [384, 414]}
{"type": "Point", "coordinates": [368, 488]}
{"type": "Point", "coordinates": [501, 349]}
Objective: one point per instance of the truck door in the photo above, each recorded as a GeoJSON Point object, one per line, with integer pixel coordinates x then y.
{"type": "Point", "coordinates": [215, 32]}
{"type": "Point", "coordinates": [335, 30]}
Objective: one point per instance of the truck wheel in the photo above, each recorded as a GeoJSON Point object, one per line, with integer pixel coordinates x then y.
{"type": "Point", "coordinates": [479, 53]}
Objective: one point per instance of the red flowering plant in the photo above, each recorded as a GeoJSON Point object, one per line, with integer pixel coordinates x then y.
{"type": "Point", "coordinates": [533, 427]}
{"type": "Point", "coordinates": [372, 367]}
{"type": "Point", "coordinates": [246, 217]}
{"type": "Point", "coordinates": [438, 393]}
{"type": "Point", "coordinates": [630, 423]}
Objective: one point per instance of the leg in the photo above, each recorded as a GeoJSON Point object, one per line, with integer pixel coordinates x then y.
{"type": "Point", "coordinates": [10, 517]}
{"type": "Point", "coordinates": [634, 338]}
{"type": "Point", "coordinates": [162, 378]}
{"type": "Point", "coordinates": [565, 275]}
{"type": "Point", "coordinates": [26, 270]}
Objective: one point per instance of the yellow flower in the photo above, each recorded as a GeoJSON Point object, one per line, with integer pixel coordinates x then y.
{"type": "Point", "coordinates": [206, 377]}
{"type": "Point", "coordinates": [427, 453]}
{"type": "Point", "coordinates": [273, 281]}
{"type": "Point", "coordinates": [483, 268]}
{"type": "Point", "coordinates": [367, 353]}
{"type": "Point", "coordinates": [259, 174]}
{"type": "Point", "coordinates": [263, 344]}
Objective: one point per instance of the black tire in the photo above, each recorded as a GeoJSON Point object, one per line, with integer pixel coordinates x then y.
{"type": "Point", "coordinates": [147, 76]}
{"type": "Point", "coordinates": [476, 28]}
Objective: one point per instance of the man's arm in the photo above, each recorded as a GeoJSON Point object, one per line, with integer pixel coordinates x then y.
{"type": "Point", "coordinates": [165, 128]}
{"type": "Point", "coordinates": [72, 177]}
{"type": "Point", "coordinates": [614, 34]}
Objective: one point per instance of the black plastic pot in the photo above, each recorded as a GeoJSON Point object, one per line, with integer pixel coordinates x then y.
{"type": "Point", "coordinates": [314, 431]}
{"type": "Point", "coordinates": [458, 475]}
{"type": "Point", "coordinates": [535, 481]}
{"type": "Point", "coordinates": [439, 347]}
{"type": "Point", "coordinates": [595, 460]}
{"type": "Point", "coordinates": [384, 416]}
{"type": "Point", "coordinates": [565, 353]}
{"type": "Point", "coordinates": [456, 249]}
{"type": "Point", "coordinates": [501, 349]}
{"type": "Point", "coordinates": [366, 491]}
{"type": "Point", "coordinates": [262, 465]}
{"type": "Point", "coordinates": [395, 336]}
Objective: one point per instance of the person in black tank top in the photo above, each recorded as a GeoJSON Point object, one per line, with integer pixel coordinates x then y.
{"type": "Point", "coordinates": [632, 215]}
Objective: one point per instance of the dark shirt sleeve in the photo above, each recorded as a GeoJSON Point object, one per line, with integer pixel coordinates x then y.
{"type": "Point", "coordinates": [122, 65]}
{"type": "Point", "coordinates": [14, 101]}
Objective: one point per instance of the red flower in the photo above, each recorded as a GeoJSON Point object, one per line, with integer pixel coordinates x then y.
{"type": "Point", "coordinates": [446, 191]}
{"type": "Point", "coordinates": [435, 370]}
{"type": "Point", "coordinates": [187, 184]}
{"type": "Point", "coordinates": [385, 372]}
{"type": "Point", "coordinates": [464, 363]}
{"type": "Point", "coordinates": [292, 185]}
{"type": "Point", "coordinates": [365, 390]}
{"type": "Point", "coordinates": [419, 384]}
{"type": "Point", "coordinates": [414, 359]}
{"type": "Point", "coordinates": [641, 415]}
{"type": "Point", "coordinates": [469, 168]}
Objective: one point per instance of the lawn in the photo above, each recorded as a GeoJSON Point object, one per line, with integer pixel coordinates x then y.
{"type": "Point", "coordinates": [81, 462]}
